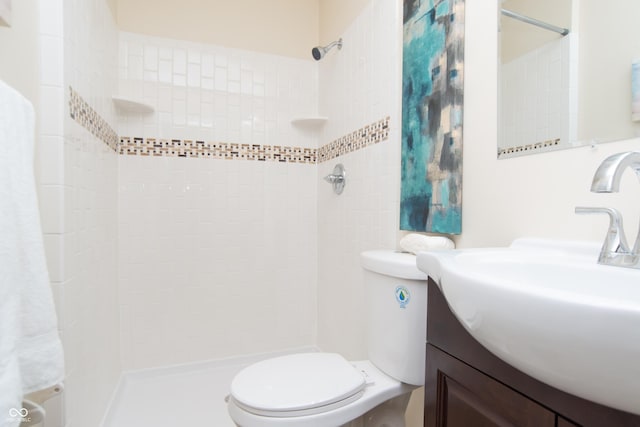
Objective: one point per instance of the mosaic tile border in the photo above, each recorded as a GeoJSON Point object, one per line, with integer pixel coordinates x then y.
{"type": "Point", "coordinates": [520, 150]}
{"type": "Point", "coordinates": [357, 140]}
{"type": "Point", "coordinates": [217, 150]}
{"type": "Point", "coordinates": [87, 117]}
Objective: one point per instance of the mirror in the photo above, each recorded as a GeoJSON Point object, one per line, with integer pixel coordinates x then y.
{"type": "Point", "coordinates": [558, 92]}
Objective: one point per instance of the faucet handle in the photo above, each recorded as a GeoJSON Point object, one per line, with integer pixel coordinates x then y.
{"type": "Point", "coordinates": [615, 241]}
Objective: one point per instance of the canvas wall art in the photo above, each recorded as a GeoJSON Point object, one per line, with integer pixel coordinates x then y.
{"type": "Point", "coordinates": [432, 101]}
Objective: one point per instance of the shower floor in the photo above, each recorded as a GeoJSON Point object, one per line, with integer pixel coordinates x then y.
{"type": "Point", "coordinates": [179, 396]}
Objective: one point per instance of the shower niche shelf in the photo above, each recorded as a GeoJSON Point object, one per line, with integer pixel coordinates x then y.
{"type": "Point", "coordinates": [309, 121]}
{"type": "Point", "coordinates": [132, 106]}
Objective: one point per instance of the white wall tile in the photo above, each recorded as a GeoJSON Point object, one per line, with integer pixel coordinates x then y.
{"type": "Point", "coordinates": [358, 86]}
{"type": "Point", "coordinates": [51, 54]}
{"type": "Point", "coordinates": [193, 75]}
{"type": "Point", "coordinates": [223, 75]}
{"type": "Point", "coordinates": [165, 71]}
{"type": "Point", "coordinates": [150, 58]}
{"type": "Point", "coordinates": [51, 201]}
{"type": "Point", "coordinates": [135, 67]}
{"type": "Point", "coordinates": [215, 218]}
{"type": "Point", "coordinates": [51, 18]}
{"type": "Point", "coordinates": [79, 198]}
{"type": "Point", "coordinates": [52, 101]}
{"type": "Point", "coordinates": [179, 61]}
{"type": "Point", "coordinates": [50, 160]}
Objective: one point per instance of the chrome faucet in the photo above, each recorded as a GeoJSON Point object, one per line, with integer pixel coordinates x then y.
{"type": "Point", "coordinates": [615, 250]}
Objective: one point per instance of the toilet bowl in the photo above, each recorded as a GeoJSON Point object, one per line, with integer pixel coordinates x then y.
{"type": "Point", "coordinates": [315, 390]}
{"type": "Point", "coordinates": [326, 390]}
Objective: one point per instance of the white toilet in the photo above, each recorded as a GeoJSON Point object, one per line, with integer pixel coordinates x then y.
{"type": "Point", "coordinates": [324, 389]}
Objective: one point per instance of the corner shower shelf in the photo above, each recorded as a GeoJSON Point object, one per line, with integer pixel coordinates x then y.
{"type": "Point", "coordinates": [310, 122]}
{"type": "Point", "coordinates": [128, 105]}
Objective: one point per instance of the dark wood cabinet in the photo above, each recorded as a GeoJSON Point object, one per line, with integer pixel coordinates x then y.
{"type": "Point", "coordinates": [466, 397]}
{"type": "Point", "coordinates": [467, 386]}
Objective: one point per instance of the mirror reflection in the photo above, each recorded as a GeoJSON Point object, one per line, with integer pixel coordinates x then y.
{"type": "Point", "coordinates": [562, 91]}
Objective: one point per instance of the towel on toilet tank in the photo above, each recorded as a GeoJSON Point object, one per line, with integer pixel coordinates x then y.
{"type": "Point", "coordinates": [31, 355]}
{"type": "Point", "coordinates": [414, 243]}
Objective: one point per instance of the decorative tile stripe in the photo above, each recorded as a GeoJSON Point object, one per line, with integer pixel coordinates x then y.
{"type": "Point", "coordinates": [363, 137]}
{"type": "Point", "coordinates": [538, 147]}
{"type": "Point", "coordinates": [215, 150]}
{"type": "Point", "coordinates": [88, 118]}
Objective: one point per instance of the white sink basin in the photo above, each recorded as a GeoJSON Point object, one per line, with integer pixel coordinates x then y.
{"type": "Point", "coordinates": [548, 309]}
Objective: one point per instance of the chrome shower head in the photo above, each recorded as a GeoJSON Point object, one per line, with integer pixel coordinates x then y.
{"type": "Point", "coordinates": [319, 52]}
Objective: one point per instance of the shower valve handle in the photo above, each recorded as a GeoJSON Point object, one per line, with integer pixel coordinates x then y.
{"type": "Point", "coordinates": [337, 178]}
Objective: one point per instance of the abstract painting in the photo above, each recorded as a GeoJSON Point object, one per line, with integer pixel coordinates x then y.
{"type": "Point", "coordinates": [432, 100]}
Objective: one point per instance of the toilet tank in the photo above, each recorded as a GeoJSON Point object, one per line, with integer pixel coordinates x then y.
{"type": "Point", "coordinates": [396, 298]}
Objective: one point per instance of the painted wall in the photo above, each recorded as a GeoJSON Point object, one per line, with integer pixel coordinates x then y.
{"type": "Point", "coordinates": [281, 27]}
{"type": "Point", "coordinates": [217, 256]}
{"type": "Point", "coordinates": [113, 7]}
{"type": "Point", "coordinates": [336, 16]}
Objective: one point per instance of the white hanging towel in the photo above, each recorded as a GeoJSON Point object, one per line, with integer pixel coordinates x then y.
{"type": "Point", "coordinates": [31, 355]}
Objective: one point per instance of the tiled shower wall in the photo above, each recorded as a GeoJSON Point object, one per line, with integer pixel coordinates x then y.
{"type": "Point", "coordinates": [213, 93]}
{"type": "Point", "coordinates": [217, 256]}
{"type": "Point", "coordinates": [90, 164]}
{"type": "Point", "coordinates": [358, 85]}
{"type": "Point", "coordinates": [78, 200]}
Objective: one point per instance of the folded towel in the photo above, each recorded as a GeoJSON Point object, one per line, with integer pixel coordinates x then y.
{"type": "Point", "coordinates": [31, 355]}
{"type": "Point", "coordinates": [414, 243]}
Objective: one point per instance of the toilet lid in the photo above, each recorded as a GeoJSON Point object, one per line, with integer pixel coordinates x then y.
{"type": "Point", "coordinates": [297, 383]}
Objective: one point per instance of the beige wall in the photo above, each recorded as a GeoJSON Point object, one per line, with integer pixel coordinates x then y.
{"type": "Point", "coordinates": [282, 27]}
{"type": "Point", "coordinates": [20, 47]}
{"type": "Point", "coordinates": [113, 7]}
{"type": "Point", "coordinates": [336, 16]}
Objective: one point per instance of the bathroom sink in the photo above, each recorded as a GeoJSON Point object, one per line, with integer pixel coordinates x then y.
{"type": "Point", "coordinates": [548, 309]}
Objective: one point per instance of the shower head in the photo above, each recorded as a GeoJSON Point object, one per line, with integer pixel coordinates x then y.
{"type": "Point", "coordinates": [319, 52]}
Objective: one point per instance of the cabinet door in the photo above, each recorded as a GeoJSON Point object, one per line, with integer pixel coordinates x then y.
{"type": "Point", "coordinates": [457, 395]}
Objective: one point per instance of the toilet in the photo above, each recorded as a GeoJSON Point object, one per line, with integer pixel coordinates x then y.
{"type": "Point", "coordinates": [324, 389]}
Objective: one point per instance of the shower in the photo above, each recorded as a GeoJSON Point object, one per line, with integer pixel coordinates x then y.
{"type": "Point", "coordinates": [319, 52]}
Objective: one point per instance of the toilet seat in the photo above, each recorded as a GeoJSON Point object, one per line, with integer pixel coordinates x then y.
{"type": "Point", "coordinates": [297, 385]}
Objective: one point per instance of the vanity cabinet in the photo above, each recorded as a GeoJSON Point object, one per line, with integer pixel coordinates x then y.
{"type": "Point", "coordinates": [467, 386]}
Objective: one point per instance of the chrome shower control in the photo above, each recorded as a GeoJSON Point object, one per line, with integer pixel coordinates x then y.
{"type": "Point", "coordinates": [337, 178]}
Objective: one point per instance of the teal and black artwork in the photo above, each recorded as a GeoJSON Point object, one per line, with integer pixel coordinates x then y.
{"type": "Point", "coordinates": [432, 99]}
